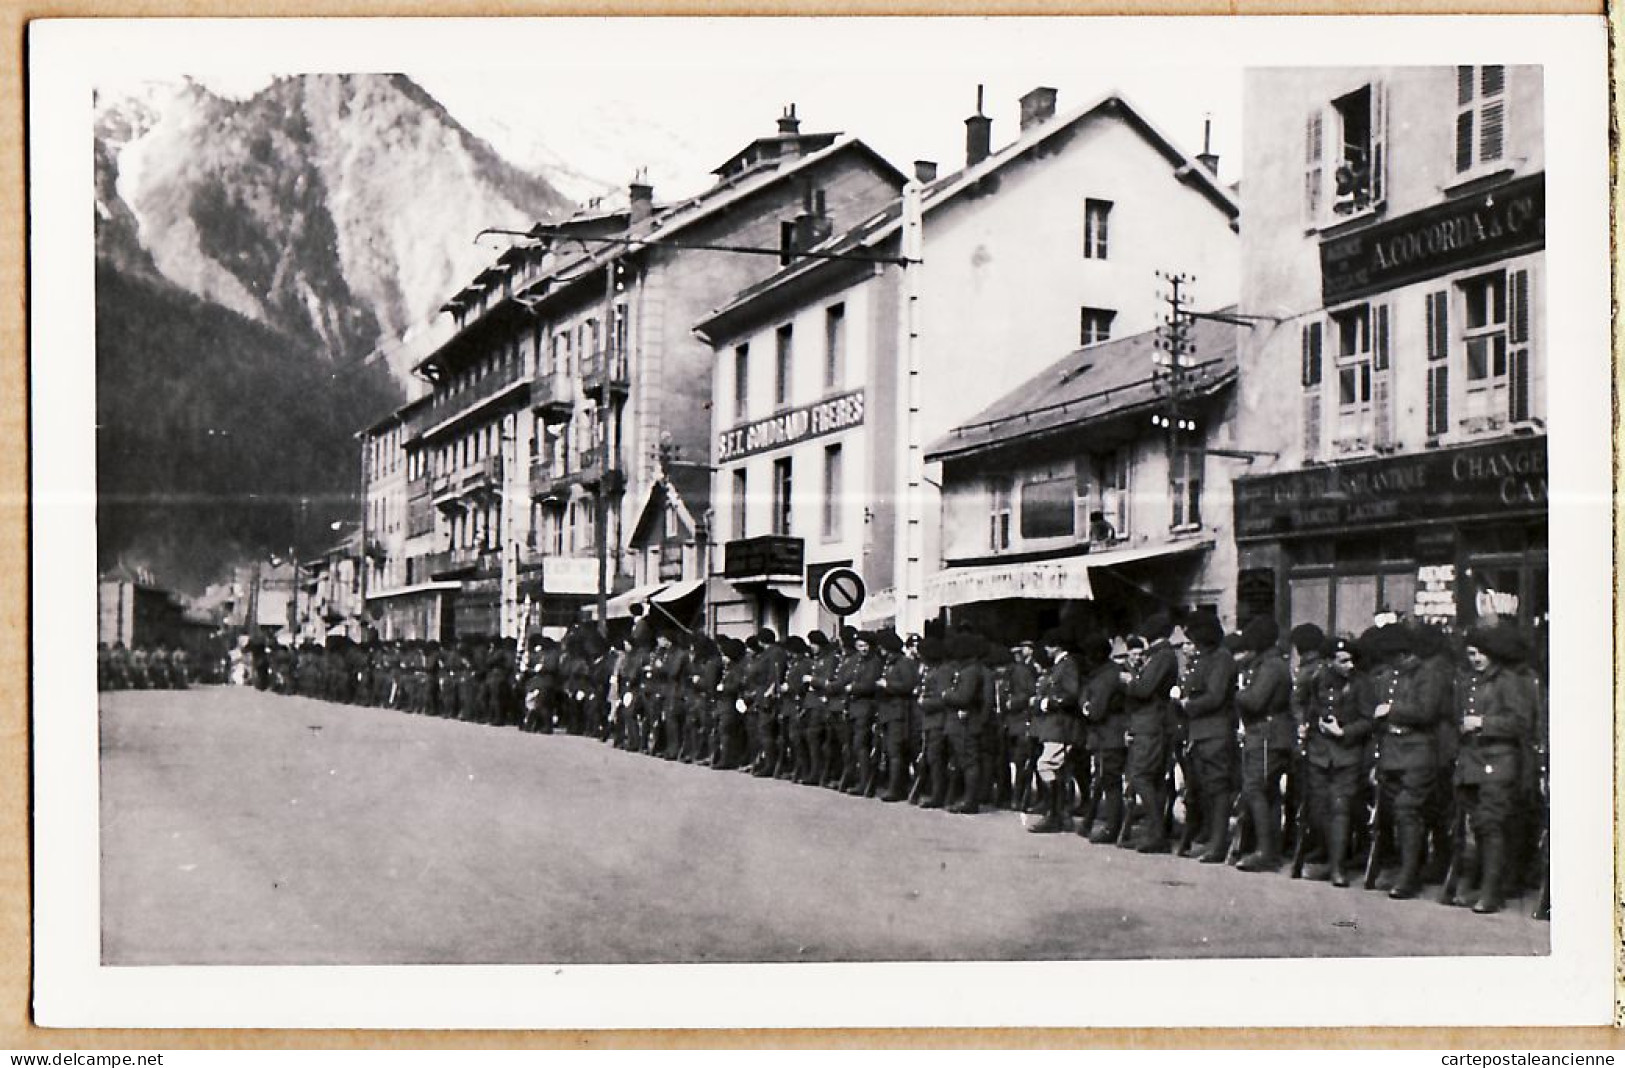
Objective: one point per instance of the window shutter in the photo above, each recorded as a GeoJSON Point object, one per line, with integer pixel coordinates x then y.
{"type": "Point", "coordinates": [1492, 131]}
{"type": "Point", "coordinates": [1379, 142]}
{"type": "Point", "coordinates": [1311, 355]}
{"type": "Point", "coordinates": [1311, 425]}
{"type": "Point", "coordinates": [1465, 86]}
{"type": "Point", "coordinates": [1438, 379]}
{"type": "Point", "coordinates": [1381, 394]}
{"type": "Point", "coordinates": [1313, 152]}
{"type": "Point", "coordinates": [1518, 337]}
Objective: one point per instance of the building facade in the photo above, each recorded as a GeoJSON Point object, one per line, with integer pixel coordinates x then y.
{"type": "Point", "coordinates": [570, 381]}
{"type": "Point", "coordinates": [1094, 494]}
{"type": "Point", "coordinates": [831, 376]}
{"type": "Point", "coordinates": [1395, 257]}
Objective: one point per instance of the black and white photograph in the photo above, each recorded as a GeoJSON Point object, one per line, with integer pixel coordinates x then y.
{"type": "Point", "coordinates": [822, 522]}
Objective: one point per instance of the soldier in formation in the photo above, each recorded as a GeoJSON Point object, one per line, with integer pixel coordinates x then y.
{"type": "Point", "coordinates": [1339, 753]}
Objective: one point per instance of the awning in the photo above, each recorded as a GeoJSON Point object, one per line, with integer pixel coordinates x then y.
{"type": "Point", "coordinates": [1065, 579]}
{"type": "Point", "coordinates": [620, 605]}
{"type": "Point", "coordinates": [677, 591]}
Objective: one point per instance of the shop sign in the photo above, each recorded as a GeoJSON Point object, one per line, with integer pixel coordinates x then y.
{"type": "Point", "coordinates": [773, 555]}
{"type": "Point", "coordinates": [1045, 580]}
{"type": "Point", "coordinates": [1502, 478]}
{"type": "Point", "coordinates": [570, 574]}
{"type": "Point", "coordinates": [791, 427]}
{"type": "Point", "coordinates": [1495, 603]}
{"type": "Point", "coordinates": [1435, 594]}
{"type": "Point", "coordinates": [1507, 221]}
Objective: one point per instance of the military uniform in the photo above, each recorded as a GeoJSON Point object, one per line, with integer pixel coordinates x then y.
{"type": "Point", "coordinates": [1269, 738]}
{"type": "Point", "coordinates": [1209, 712]}
{"type": "Point", "coordinates": [965, 719]}
{"type": "Point", "coordinates": [1147, 699]}
{"type": "Point", "coordinates": [1107, 730]}
{"type": "Point", "coordinates": [1057, 725]}
{"type": "Point", "coordinates": [936, 678]}
{"type": "Point", "coordinates": [1337, 705]}
{"type": "Point", "coordinates": [897, 687]}
{"type": "Point", "coordinates": [1407, 713]}
{"type": "Point", "coordinates": [1496, 710]}
{"type": "Point", "coordinates": [860, 712]}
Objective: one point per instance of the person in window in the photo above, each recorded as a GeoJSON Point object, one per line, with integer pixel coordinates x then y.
{"type": "Point", "coordinates": [1100, 531]}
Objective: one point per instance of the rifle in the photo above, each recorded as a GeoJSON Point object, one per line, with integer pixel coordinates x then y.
{"type": "Point", "coordinates": [1458, 854]}
{"type": "Point", "coordinates": [1300, 826]}
{"type": "Point", "coordinates": [1543, 903]}
{"type": "Point", "coordinates": [877, 753]}
{"type": "Point", "coordinates": [1300, 820]}
{"type": "Point", "coordinates": [1373, 857]}
{"type": "Point", "coordinates": [920, 770]}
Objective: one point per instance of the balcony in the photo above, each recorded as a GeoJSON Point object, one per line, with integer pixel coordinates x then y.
{"type": "Point", "coordinates": [485, 476]}
{"type": "Point", "coordinates": [553, 396]}
{"type": "Point", "coordinates": [443, 488]}
{"type": "Point", "coordinates": [450, 403]}
{"type": "Point", "coordinates": [604, 372]}
{"type": "Point", "coordinates": [545, 478]}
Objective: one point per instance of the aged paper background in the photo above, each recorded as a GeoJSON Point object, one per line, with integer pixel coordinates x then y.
{"type": "Point", "coordinates": [15, 807]}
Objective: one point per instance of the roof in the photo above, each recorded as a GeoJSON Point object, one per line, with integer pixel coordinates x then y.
{"type": "Point", "coordinates": [686, 486]}
{"type": "Point", "coordinates": [1087, 385]}
{"type": "Point", "coordinates": [947, 189]}
{"type": "Point", "coordinates": [670, 219]}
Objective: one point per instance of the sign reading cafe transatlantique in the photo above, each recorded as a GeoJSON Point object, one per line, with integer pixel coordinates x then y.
{"type": "Point", "coordinates": [1506, 221]}
{"type": "Point", "coordinates": [789, 427]}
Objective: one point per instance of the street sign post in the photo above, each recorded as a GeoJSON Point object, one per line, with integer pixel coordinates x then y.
{"type": "Point", "coordinates": [842, 591]}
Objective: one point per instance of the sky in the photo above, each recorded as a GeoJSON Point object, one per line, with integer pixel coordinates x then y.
{"type": "Point", "coordinates": [606, 97]}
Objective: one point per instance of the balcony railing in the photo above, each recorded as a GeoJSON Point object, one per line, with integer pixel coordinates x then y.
{"type": "Point", "coordinates": [447, 402]}
{"type": "Point", "coordinates": [485, 474]}
{"type": "Point", "coordinates": [553, 394]}
{"type": "Point", "coordinates": [604, 370]}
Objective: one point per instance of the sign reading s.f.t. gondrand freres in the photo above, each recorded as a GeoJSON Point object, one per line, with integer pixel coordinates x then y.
{"type": "Point", "coordinates": [789, 427]}
{"type": "Point", "coordinates": [1506, 221]}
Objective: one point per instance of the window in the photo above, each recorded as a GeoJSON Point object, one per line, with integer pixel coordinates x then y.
{"type": "Point", "coordinates": [1113, 474]}
{"type": "Point", "coordinates": [740, 488]}
{"type": "Point", "coordinates": [1351, 333]}
{"type": "Point", "coordinates": [784, 344]}
{"type": "Point", "coordinates": [1097, 325]}
{"type": "Point", "coordinates": [1345, 150]}
{"type": "Point", "coordinates": [1495, 340]}
{"type": "Point", "coordinates": [1480, 116]}
{"type": "Point", "coordinates": [782, 486]}
{"type": "Point", "coordinates": [999, 520]}
{"type": "Point", "coordinates": [834, 346]}
{"type": "Point", "coordinates": [741, 382]}
{"type": "Point", "coordinates": [1047, 507]}
{"type": "Point", "coordinates": [832, 492]}
{"type": "Point", "coordinates": [1096, 217]}
{"type": "Point", "coordinates": [1185, 488]}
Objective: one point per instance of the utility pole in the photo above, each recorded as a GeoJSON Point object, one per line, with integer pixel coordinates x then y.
{"type": "Point", "coordinates": [1172, 362]}
{"type": "Point", "coordinates": [601, 504]}
{"type": "Point", "coordinates": [508, 623]}
{"type": "Point", "coordinates": [909, 544]}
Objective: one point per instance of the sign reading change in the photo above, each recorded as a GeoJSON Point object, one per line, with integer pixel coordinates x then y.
{"type": "Point", "coordinates": [787, 428]}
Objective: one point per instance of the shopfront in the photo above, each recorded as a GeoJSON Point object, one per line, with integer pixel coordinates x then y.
{"type": "Point", "coordinates": [1452, 536]}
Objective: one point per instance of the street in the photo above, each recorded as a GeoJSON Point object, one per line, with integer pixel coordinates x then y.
{"type": "Point", "coordinates": [240, 827]}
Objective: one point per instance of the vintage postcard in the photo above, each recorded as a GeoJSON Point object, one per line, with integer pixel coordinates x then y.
{"type": "Point", "coordinates": [604, 523]}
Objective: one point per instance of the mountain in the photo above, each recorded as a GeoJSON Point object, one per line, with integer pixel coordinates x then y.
{"type": "Point", "coordinates": [338, 209]}
{"type": "Point", "coordinates": [251, 254]}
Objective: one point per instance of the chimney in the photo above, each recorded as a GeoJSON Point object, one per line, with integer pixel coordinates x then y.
{"type": "Point", "coordinates": [925, 171]}
{"type": "Point", "coordinates": [978, 134]}
{"type": "Point", "coordinates": [1207, 158]}
{"type": "Point", "coordinates": [788, 123]}
{"type": "Point", "coordinates": [1036, 107]}
{"type": "Point", "coordinates": [641, 195]}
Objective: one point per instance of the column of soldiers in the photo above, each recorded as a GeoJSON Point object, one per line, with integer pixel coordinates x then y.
{"type": "Point", "coordinates": [141, 668]}
{"type": "Point", "coordinates": [1401, 757]}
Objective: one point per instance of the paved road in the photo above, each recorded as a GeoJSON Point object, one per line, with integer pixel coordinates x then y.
{"type": "Point", "coordinates": [245, 828]}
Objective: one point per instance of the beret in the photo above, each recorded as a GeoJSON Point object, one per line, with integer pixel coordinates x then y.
{"type": "Point", "coordinates": [1307, 637]}
{"type": "Point", "coordinates": [1157, 627]}
{"type": "Point", "coordinates": [1260, 633]}
{"type": "Point", "coordinates": [1204, 628]}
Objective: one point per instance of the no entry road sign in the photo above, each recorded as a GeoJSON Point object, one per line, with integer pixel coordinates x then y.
{"type": "Point", "coordinates": [842, 591]}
